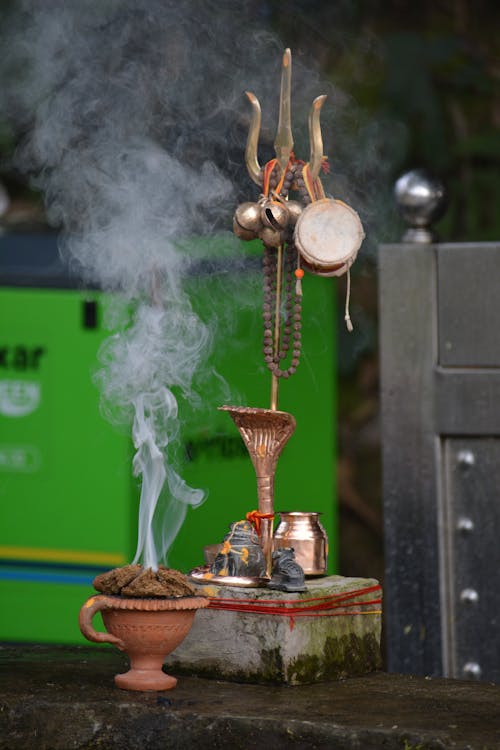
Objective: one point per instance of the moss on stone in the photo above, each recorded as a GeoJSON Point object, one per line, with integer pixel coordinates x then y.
{"type": "Point", "coordinates": [339, 658]}
{"type": "Point", "coordinates": [271, 665]}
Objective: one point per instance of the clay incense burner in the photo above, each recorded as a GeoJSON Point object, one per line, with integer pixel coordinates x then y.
{"type": "Point", "coordinates": [147, 628]}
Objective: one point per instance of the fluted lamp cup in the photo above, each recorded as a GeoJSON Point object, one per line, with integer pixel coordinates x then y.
{"type": "Point", "coordinates": [265, 433]}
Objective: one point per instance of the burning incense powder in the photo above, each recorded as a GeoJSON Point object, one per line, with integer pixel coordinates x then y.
{"type": "Point", "coordinates": [134, 580]}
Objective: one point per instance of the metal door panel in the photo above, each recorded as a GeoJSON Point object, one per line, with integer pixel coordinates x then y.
{"type": "Point", "coordinates": [440, 408]}
{"type": "Point", "coordinates": [472, 581]}
{"type": "Point", "coordinates": [467, 402]}
{"type": "Point", "coordinates": [469, 305]}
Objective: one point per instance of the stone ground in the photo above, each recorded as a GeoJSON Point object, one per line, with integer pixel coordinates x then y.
{"type": "Point", "coordinates": [59, 698]}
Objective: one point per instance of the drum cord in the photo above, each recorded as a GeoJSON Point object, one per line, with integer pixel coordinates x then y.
{"type": "Point", "coordinates": [347, 316]}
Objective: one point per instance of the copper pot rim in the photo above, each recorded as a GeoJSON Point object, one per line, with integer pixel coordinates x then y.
{"type": "Point", "coordinates": [300, 513]}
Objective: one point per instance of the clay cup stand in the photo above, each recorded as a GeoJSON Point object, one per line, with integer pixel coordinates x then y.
{"type": "Point", "coordinates": [146, 629]}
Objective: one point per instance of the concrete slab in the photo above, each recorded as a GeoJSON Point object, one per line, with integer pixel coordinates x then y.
{"type": "Point", "coordinates": [335, 634]}
{"type": "Point", "coordinates": [57, 698]}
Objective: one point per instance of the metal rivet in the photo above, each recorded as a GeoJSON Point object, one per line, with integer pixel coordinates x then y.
{"type": "Point", "coordinates": [466, 458]}
{"type": "Point", "coordinates": [465, 525]}
{"type": "Point", "coordinates": [472, 670]}
{"type": "Point", "coordinates": [469, 596]}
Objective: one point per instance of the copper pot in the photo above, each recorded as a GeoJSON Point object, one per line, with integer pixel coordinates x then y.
{"type": "Point", "coordinates": [303, 531]}
{"type": "Point", "coordinates": [146, 629]}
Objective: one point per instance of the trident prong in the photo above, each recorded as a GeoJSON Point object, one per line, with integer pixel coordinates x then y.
{"type": "Point", "coordinates": [251, 158]}
{"type": "Point", "coordinates": [283, 143]}
{"type": "Point", "coordinates": [315, 137]}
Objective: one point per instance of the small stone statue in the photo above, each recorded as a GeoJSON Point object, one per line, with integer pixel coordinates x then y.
{"type": "Point", "coordinates": [287, 575]}
{"type": "Point", "coordinates": [241, 554]}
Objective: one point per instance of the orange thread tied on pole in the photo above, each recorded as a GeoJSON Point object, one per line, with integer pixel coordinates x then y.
{"type": "Point", "coordinates": [255, 517]}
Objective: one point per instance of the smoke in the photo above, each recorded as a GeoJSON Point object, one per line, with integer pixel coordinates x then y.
{"type": "Point", "coordinates": [135, 124]}
{"type": "Point", "coordinates": [127, 109]}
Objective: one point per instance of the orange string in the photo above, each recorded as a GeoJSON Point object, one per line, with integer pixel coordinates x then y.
{"type": "Point", "coordinates": [314, 187]}
{"type": "Point", "coordinates": [268, 168]}
{"type": "Point", "coordinates": [255, 517]}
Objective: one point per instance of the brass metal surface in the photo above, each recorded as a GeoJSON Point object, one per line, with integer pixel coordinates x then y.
{"type": "Point", "coordinates": [251, 158]}
{"type": "Point", "coordinates": [283, 143]}
{"type": "Point", "coordinates": [315, 137]}
{"type": "Point", "coordinates": [275, 386]}
{"type": "Point", "coordinates": [277, 325]}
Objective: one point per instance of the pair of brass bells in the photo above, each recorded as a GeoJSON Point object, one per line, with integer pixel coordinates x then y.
{"type": "Point", "coordinates": [270, 219]}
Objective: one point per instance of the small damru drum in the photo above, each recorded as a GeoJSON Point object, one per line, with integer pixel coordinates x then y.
{"type": "Point", "coordinates": [328, 235]}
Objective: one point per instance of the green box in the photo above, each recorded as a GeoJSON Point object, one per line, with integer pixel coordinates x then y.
{"type": "Point", "coordinates": [68, 501]}
{"type": "Point", "coordinates": [66, 498]}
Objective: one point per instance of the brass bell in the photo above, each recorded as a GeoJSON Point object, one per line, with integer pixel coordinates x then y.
{"type": "Point", "coordinates": [275, 214]}
{"type": "Point", "coordinates": [271, 237]}
{"type": "Point", "coordinates": [247, 221]}
{"type": "Point", "coordinates": [243, 234]}
{"type": "Point", "coordinates": [295, 208]}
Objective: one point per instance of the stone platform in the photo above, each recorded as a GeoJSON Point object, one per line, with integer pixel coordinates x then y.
{"type": "Point", "coordinates": [338, 636]}
{"type": "Point", "coordinates": [57, 698]}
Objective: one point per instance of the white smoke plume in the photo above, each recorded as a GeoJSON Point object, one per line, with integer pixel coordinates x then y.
{"type": "Point", "coordinates": [126, 109]}
{"type": "Point", "coordinates": [135, 124]}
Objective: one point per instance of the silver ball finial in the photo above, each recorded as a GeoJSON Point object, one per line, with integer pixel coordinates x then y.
{"type": "Point", "coordinates": [421, 199]}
